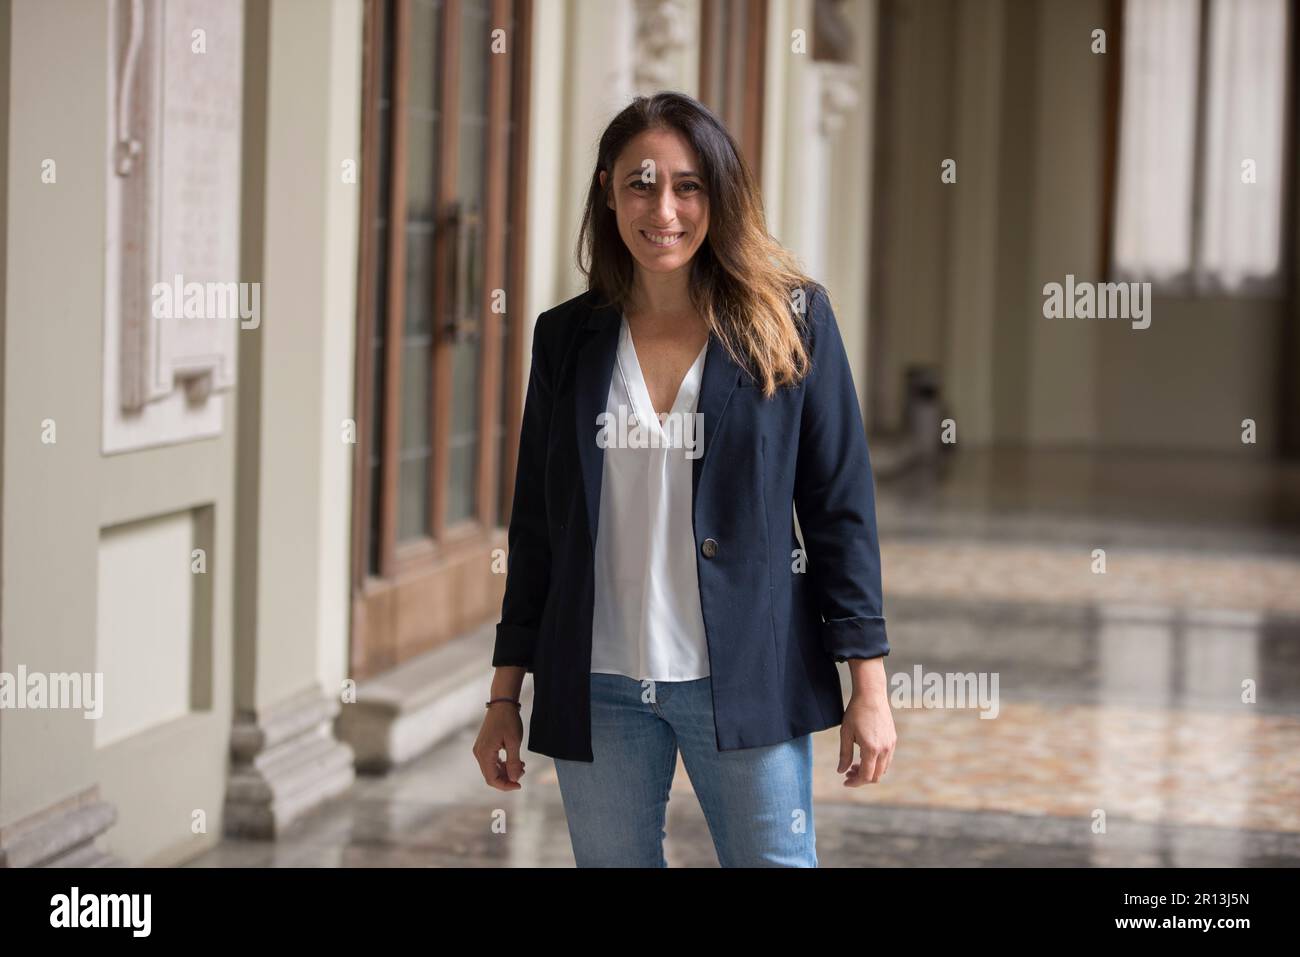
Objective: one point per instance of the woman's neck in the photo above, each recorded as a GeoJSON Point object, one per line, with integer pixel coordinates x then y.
{"type": "Point", "coordinates": [661, 301]}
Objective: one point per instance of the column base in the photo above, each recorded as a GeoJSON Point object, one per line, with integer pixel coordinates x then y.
{"type": "Point", "coordinates": [62, 835]}
{"type": "Point", "coordinates": [286, 761]}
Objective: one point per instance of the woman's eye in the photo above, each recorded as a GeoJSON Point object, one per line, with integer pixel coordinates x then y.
{"type": "Point", "coordinates": [641, 185]}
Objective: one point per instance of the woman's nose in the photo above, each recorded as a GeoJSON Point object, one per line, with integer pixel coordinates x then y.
{"type": "Point", "coordinates": [666, 206]}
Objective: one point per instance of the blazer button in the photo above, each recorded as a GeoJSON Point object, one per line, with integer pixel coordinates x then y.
{"type": "Point", "coordinates": [709, 547]}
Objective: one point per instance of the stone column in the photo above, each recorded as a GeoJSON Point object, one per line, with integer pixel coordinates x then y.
{"type": "Point", "coordinates": [302, 130]}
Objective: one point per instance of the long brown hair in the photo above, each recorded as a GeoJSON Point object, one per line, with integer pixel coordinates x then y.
{"type": "Point", "coordinates": [743, 282]}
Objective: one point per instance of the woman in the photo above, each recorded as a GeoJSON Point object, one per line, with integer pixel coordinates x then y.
{"type": "Point", "coordinates": [655, 588]}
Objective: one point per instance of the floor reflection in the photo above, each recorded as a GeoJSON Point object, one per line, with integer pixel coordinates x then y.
{"type": "Point", "coordinates": [1147, 714]}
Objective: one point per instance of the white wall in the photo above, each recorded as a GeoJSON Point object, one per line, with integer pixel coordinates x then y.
{"type": "Point", "coordinates": [95, 547]}
{"type": "Point", "coordinates": [298, 390]}
{"type": "Point", "coordinates": [59, 497]}
{"type": "Point", "coordinates": [1013, 92]}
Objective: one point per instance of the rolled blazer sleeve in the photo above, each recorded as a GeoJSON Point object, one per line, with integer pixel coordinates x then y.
{"type": "Point", "coordinates": [835, 497]}
{"type": "Point", "coordinates": [528, 560]}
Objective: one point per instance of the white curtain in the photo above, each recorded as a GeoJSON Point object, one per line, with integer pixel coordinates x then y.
{"type": "Point", "coordinates": [1241, 223]}
{"type": "Point", "coordinates": [1153, 214]}
{"type": "Point", "coordinates": [1238, 236]}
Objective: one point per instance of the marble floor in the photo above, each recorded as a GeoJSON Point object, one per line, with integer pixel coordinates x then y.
{"type": "Point", "coordinates": [1147, 714]}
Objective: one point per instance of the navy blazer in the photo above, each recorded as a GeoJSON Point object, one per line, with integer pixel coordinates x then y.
{"type": "Point", "coordinates": [774, 630]}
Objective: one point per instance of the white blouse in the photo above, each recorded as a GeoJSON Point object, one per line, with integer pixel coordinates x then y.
{"type": "Point", "coordinates": [647, 622]}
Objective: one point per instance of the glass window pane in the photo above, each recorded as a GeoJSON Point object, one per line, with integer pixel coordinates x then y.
{"type": "Point", "coordinates": [423, 119]}
{"type": "Point", "coordinates": [415, 396]}
{"type": "Point", "coordinates": [422, 135]}
{"type": "Point", "coordinates": [413, 482]}
{"type": "Point", "coordinates": [422, 93]}
{"type": "Point", "coordinates": [419, 280]}
{"type": "Point", "coordinates": [475, 53]}
{"type": "Point", "coordinates": [508, 372]}
{"type": "Point", "coordinates": [413, 509]}
{"type": "Point", "coordinates": [460, 493]}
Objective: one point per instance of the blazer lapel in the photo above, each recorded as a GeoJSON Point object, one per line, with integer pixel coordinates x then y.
{"type": "Point", "coordinates": [595, 371]}
{"type": "Point", "coordinates": [721, 374]}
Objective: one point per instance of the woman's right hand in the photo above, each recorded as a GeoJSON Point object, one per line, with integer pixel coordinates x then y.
{"type": "Point", "coordinates": [503, 729]}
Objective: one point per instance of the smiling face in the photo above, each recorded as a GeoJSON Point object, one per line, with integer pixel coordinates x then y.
{"type": "Point", "coordinates": [659, 200]}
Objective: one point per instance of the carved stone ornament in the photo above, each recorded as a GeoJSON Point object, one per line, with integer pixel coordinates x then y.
{"type": "Point", "coordinates": [662, 32]}
{"type": "Point", "coordinates": [175, 300]}
{"type": "Point", "coordinates": [839, 94]}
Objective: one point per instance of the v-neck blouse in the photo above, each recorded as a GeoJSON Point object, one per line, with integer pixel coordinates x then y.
{"type": "Point", "coordinates": [647, 620]}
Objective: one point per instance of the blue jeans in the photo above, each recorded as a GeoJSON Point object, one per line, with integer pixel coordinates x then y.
{"type": "Point", "coordinates": [757, 801]}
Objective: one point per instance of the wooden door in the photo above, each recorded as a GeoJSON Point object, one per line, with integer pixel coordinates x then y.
{"type": "Point", "coordinates": [438, 390]}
